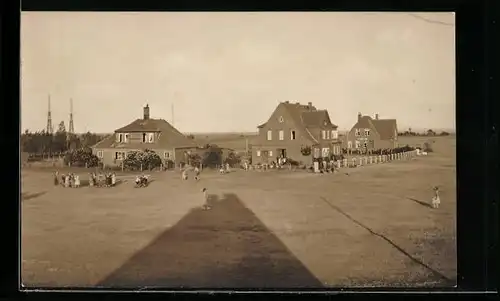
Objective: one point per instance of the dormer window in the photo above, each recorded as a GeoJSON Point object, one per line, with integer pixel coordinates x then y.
{"type": "Point", "coordinates": [151, 137]}
{"type": "Point", "coordinates": [125, 138]}
{"type": "Point", "coordinates": [144, 138]}
{"type": "Point", "coordinates": [119, 137]}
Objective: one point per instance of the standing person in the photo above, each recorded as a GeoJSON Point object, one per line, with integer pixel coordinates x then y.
{"type": "Point", "coordinates": [91, 179]}
{"type": "Point", "coordinates": [56, 178]}
{"type": "Point", "coordinates": [137, 180]}
{"type": "Point", "coordinates": [227, 167]}
{"type": "Point", "coordinates": [205, 206]}
{"type": "Point", "coordinates": [77, 181]}
{"type": "Point", "coordinates": [436, 201]}
{"type": "Point", "coordinates": [66, 181]}
{"type": "Point", "coordinates": [113, 179]}
{"type": "Point", "coordinates": [184, 174]}
{"type": "Point", "coordinates": [196, 173]}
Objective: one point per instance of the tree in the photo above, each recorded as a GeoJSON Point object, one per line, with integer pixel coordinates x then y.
{"type": "Point", "coordinates": [431, 132]}
{"type": "Point", "coordinates": [81, 157]}
{"type": "Point", "coordinates": [212, 156]}
{"type": "Point", "coordinates": [146, 159]}
{"type": "Point", "coordinates": [232, 159]}
{"type": "Point", "coordinates": [60, 139]}
{"type": "Point", "coordinates": [88, 139]}
{"type": "Point", "coordinates": [443, 133]}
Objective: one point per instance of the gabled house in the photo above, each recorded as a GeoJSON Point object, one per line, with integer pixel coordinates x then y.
{"type": "Point", "coordinates": [372, 133]}
{"type": "Point", "coordinates": [145, 133]}
{"type": "Point", "coordinates": [293, 127]}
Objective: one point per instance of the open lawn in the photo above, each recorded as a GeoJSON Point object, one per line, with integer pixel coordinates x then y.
{"type": "Point", "coordinates": [282, 229]}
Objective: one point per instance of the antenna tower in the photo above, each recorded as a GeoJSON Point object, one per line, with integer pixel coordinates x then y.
{"type": "Point", "coordinates": [71, 126]}
{"type": "Point", "coordinates": [49, 129]}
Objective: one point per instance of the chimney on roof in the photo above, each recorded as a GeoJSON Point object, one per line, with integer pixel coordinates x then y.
{"type": "Point", "coordinates": [146, 112]}
{"type": "Point", "coordinates": [376, 116]}
{"type": "Point", "coordinates": [310, 106]}
{"type": "Point", "coordinates": [359, 116]}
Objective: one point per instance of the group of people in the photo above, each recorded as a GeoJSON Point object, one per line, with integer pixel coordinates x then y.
{"type": "Point", "coordinates": [141, 181]}
{"type": "Point", "coordinates": [102, 180]}
{"type": "Point", "coordinates": [67, 180]}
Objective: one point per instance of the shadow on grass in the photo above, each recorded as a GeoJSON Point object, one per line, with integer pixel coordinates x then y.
{"type": "Point", "coordinates": [27, 196]}
{"type": "Point", "coordinates": [224, 247]}
{"type": "Point", "coordinates": [437, 274]}
{"type": "Point", "coordinates": [421, 203]}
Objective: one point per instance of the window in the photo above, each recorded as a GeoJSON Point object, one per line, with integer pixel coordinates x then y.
{"type": "Point", "coordinates": [269, 135]}
{"type": "Point", "coordinates": [327, 134]}
{"type": "Point", "coordinates": [100, 154]}
{"type": "Point", "coordinates": [367, 132]}
{"type": "Point", "coordinates": [292, 135]}
{"type": "Point", "coordinates": [357, 132]}
{"type": "Point", "coordinates": [281, 135]}
{"type": "Point", "coordinates": [258, 153]}
{"type": "Point", "coordinates": [143, 137]}
{"type": "Point", "coordinates": [323, 134]}
{"type": "Point", "coordinates": [270, 153]}
{"type": "Point", "coordinates": [151, 137]}
{"type": "Point", "coordinates": [335, 134]}
{"type": "Point", "coordinates": [349, 144]}
{"type": "Point", "coordinates": [281, 119]}
{"type": "Point", "coordinates": [325, 152]}
{"type": "Point", "coordinates": [119, 137]}
{"type": "Point", "coordinates": [357, 144]}
{"type": "Point", "coordinates": [166, 155]}
{"type": "Point", "coordinates": [119, 155]}
{"type": "Point", "coordinates": [125, 138]}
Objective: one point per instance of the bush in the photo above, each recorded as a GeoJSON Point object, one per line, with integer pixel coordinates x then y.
{"type": "Point", "coordinates": [233, 159]}
{"type": "Point", "coordinates": [147, 159]}
{"type": "Point", "coordinates": [212, 156]}
{"type": "Point", "coordinates": [81, 157]}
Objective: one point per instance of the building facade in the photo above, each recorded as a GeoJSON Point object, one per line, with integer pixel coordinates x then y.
{"type": "Point", "coordinates": [372, 133]}
{"type": "Point", "coordinates": [146, 133]}
{"type": "Point", "coordinates": [290, 129]}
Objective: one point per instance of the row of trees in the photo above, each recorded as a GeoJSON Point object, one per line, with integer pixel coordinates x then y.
{"type": "Point", "coordinates": [429, 132]}
{"type": "Point", "coordinates": [44, 143]}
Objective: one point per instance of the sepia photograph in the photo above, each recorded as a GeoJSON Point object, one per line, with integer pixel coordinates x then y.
{"type": "Point", "coordinates": [238, 150]}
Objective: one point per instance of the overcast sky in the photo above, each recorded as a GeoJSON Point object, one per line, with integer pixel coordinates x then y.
{"type": "Point", "coordinates": [227, 71]}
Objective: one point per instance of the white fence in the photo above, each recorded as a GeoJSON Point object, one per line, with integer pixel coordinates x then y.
{"type": "Point", "coordinates": [369, 160]}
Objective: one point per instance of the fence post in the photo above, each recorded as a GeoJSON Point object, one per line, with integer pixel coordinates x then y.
{"type": "Point", "coordinates": [122, 166]}
{"type": "Point", "coordinates": [141, 166]}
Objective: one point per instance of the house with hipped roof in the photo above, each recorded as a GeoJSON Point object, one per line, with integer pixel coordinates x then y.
{"type": "Point", "coordinates": [290, 129]}
{"type": "Point", "coordinates": [145, 133]}
{"type": "Point", "coordinates": [372, 133]}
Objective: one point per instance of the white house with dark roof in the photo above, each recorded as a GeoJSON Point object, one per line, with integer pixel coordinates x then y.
{"type": "Point", "coordinates": [145, 133]}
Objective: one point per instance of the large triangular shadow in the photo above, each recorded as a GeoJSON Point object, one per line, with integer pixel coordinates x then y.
{"type": "Point", "coordinates": [224, 247]}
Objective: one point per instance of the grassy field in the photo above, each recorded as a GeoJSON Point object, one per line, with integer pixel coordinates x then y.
{"type": "Point", "coordinates": [266, 229]}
